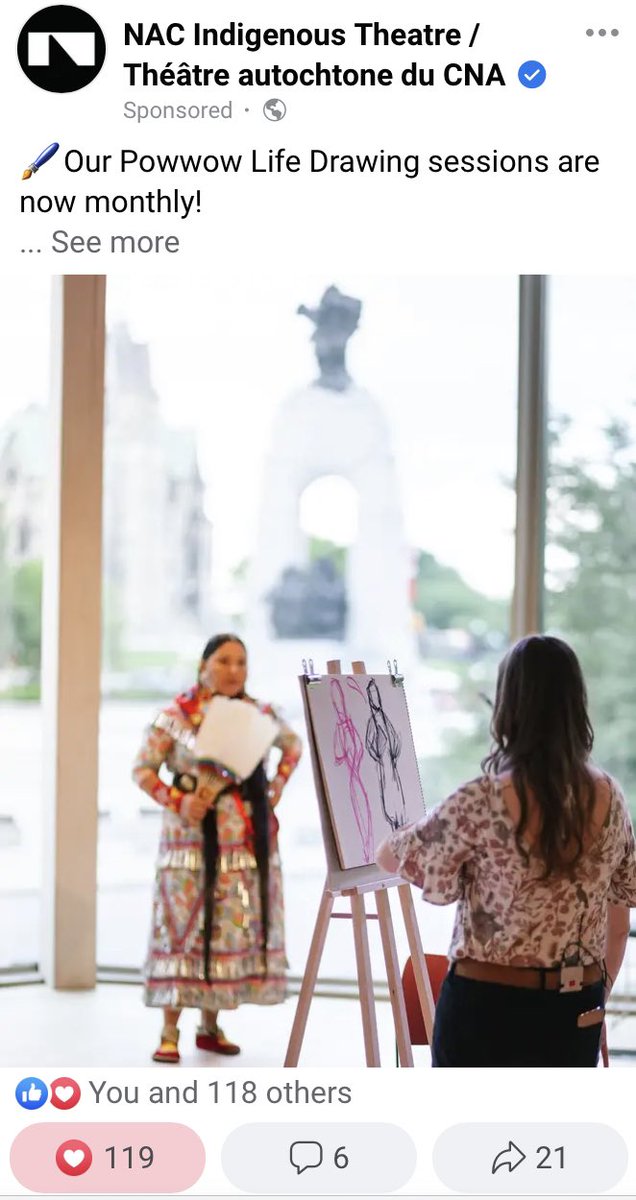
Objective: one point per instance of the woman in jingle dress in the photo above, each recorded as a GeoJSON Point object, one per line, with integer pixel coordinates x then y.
{"type": "Point", "coordinates": [217, 937]}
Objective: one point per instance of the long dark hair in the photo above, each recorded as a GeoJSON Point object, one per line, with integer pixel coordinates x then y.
{"type": "Point", "coordinates": [254, 791]}
{"type": "Point", "coordinates": [542, 734]}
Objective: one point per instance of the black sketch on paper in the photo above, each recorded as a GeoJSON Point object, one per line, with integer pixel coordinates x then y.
{"type": "Point", "coordinates": [384, 746]}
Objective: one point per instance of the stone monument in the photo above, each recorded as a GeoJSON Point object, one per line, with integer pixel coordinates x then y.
{"type": "Point", "coordinates": [332, 427]}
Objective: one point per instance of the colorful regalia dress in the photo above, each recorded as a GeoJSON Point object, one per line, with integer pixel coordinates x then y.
{"type": "Point", "coordinates": [238, 970]}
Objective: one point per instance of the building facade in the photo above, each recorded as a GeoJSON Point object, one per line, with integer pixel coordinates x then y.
{"type": "Point", "coordinates": [157, 540]}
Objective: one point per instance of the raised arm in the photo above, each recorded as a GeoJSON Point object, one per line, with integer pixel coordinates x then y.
{"type": "Point", "coordinates": [385, 856]}
{"type": "Point", "coordinates": [431, 853]}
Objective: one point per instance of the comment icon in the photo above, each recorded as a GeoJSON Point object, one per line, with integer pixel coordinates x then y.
{"type": "Point", "coordinates": [305, 1156]}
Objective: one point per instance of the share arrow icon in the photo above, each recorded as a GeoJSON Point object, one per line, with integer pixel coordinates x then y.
{"type": "Point", "coordinates": [511, 1158]}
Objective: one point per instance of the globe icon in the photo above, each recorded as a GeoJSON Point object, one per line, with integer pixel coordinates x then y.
{"type": "Point", "coordinates": [274, 109]}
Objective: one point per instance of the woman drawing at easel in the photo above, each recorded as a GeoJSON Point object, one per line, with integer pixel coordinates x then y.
{"type": "Point", "coordinates": [539, 852]}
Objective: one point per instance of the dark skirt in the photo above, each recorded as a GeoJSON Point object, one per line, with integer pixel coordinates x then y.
{"type": "Point", "coordinates": [494, 1025]}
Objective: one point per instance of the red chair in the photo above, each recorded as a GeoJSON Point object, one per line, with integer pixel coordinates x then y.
{"type": "Point", "coordinates": [437, 966]}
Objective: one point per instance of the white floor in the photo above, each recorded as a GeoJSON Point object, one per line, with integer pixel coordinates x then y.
{"type": "Point", "coordinates": [110, 1026]}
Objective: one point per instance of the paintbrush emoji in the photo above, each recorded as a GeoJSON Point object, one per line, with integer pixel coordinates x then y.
{"type": "Point", "coordinates": [41, 159]}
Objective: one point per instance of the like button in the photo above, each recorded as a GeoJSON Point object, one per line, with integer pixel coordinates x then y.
{"type": "Point", "coordinates": [31, 1092]}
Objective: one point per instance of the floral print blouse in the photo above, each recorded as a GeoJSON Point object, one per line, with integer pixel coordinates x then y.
{"type": "Point", "coordinates": [507, 913]}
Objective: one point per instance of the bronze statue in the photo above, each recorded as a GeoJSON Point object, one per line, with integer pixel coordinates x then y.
{"type": "Point", "coordinates": [309, 602]}
{"type": "Point", "coordinates": [335, 320]}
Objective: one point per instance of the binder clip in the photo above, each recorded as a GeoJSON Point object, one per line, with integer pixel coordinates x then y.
{"type": "Point", "coordinates": [309, 674]}
{"type": "Point", "coordinates": [396, 679]}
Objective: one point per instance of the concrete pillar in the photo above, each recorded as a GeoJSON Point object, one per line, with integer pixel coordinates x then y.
{"type": "Point", "coordinates": [72, 631]}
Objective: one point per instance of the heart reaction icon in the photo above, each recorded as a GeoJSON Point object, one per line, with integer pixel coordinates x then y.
{"type": "Point", "coordinates": [73, 1157]}
{"type": "Point", "coordinates": [65, 1092]}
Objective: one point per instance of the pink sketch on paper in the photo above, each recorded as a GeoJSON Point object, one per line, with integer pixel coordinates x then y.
{"type": "Point", "coordinates": [348, 750]}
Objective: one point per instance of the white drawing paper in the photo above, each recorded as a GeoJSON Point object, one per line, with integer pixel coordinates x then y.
{"type": "Point", "coordinates": [367, 756]}
{"type": "Point", "coordinates": [235, 734]}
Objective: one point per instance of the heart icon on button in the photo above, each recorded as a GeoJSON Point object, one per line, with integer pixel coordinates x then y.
{"type": "Point", "coordinates": [73, 1157]}
{"type": "Point", "coordinates": [65, 1092]}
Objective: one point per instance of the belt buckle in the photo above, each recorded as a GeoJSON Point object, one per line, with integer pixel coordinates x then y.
{"type": "Point", "coordinates": [571, 979]}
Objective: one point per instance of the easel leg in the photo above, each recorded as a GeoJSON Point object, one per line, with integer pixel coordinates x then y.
{"type": "Point", "coordinates": [394, 977]}
{"type": "Point", "coordinates": [309, 980]}
{"type": "Point", "coordinates": [420, 971]}
{"type": "Point", "coordinates": [365, 981]}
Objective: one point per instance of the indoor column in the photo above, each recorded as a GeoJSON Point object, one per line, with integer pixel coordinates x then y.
{"type": "Point", "coordinates": [72, 631]}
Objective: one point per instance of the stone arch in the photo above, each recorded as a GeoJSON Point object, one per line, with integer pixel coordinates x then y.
{"type": "Point", "coordinates": [317, 432]}
{"type": "Point", "coordinates": [313, 499]}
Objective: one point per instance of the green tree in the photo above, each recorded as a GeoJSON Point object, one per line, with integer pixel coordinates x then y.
{"type": "Point", "coordinates": [591, 598]}
{"type": "Point", "coordinates": [321, 548]}
{"type": "Point", "coordinates": [446, 601]}
{"type": "Point", "coordinates": [5, 597]}
{"type": "Point", "coordinates": [26, 612]}
{"type": "Point", "coordinates": [590, 601]}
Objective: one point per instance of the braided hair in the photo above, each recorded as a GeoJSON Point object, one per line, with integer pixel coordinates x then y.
{"type": "Point", "coordinates": [254, 791]}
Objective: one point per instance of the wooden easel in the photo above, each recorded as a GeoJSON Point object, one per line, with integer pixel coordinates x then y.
{"type": "Point", "coordinates": [354, 884]}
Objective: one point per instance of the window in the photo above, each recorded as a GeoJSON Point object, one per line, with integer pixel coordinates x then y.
{"type": "Point", "coordinates": [590, 552]}
{"type": "Point", "coordinates": [591, 514]}
{"type": "Point", "coordinates": [370, 516]}
{"type": "Point", "coordinates": [24, 396]}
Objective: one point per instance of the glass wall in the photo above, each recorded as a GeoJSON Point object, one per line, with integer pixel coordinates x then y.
{"type": "Point", "coordinates": [371, 516]}
{"type": "Point", "coordinates": [591, 518]}
{"type": "Point", "coordinates": [24, 351]}
{"type": "Point", "coordinates": [156, 592]}
{"type": "Point", "coordinates": [260, 477]}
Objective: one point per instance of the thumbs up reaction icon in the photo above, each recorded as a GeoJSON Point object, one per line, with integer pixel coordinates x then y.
{"type": "Point", "coordinates": [31, 1092]}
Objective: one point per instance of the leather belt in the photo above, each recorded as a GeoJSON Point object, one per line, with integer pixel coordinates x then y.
{"type": "Point", "coordinates": [537, 978]}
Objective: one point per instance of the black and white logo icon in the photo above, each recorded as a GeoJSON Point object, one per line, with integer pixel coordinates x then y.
{"type": "Point", "coordinates": [61, 49]}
